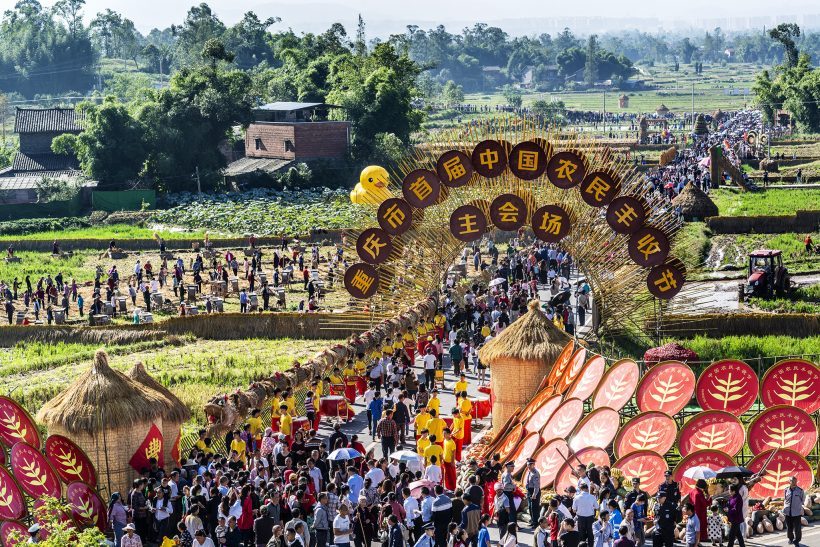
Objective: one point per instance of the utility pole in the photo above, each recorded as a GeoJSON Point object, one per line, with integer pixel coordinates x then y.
{"type": "Point", "coordinates": [198, 184]}
{"type": "Point", "coordinates": [693, 106]}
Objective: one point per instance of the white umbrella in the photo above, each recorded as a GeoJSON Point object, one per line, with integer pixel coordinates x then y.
{"type": "Point", "coordinates": [341, 454]}
{"type": "Point", "coordinates": [699, 472]}
{"type": "Point", "coordinates": [405, 456]}
{"type": "Point", "coordinates": [497, 281]}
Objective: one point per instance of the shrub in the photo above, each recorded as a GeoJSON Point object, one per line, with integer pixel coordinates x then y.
{"type": "Point", "coordinates": [31, 225]}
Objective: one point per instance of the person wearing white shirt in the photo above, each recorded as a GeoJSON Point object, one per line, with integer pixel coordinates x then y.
{"type": "Point", "coordinates": [369, 395]}
{"type": "Point", "coordinates": [341, 527]}
{"type": "Point", "coordinates": [376, 476]}
{"type": "Point", "coordinates": [584, 505]}
{"type": "Point", "coordinates": [411, 509]}
{"type": "Point", "coordinates": [430, 363]}
{"type": "Point", "coordinates": [433, 472]}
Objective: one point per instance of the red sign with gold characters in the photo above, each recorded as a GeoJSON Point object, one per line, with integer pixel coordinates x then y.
{"type": "Point", "coordinates": [727, 385]}
{"type": "Point", "coordinates": [784, 465]}
{"type": "Point", "coordinates": [489, 158]}
{"type": "Point", "coordinates": [712, 430]}
{"type": "Point", "coordinates": [69, 461]}
{"type": "Point", "coordinates": [792, 382]}
{"type": "Point", "coordinates": [566, 169]}
{"type": "Point", "coordinates": [648, 247]}
{"type": "Point", "coordinates": [33, 472]}
{"type": "Point", "coordinates": [538, 417]}
{"type": "Point", "coordinates": [454, 168]}
{"type": "Point", "coordinates": [16, 425]}
{"type": "Point", "coordinates": [12, 503]}
{"type": "Point", "coordinates": [362, 280]}
{"type": "Point", "coordinates": [596, 430]}
{"type": "Point", "coordinates": [599, 188]}
{"type": "Point", "coordinates": [528, 160]}
{"type": "Point", "coordinates": [565, 477]}
{"type": "Point", "coordinates": [87, 508]}
{"type": "Point", "coordinates": [550, 223]}
{"type": "Point", "coordinates": [586, 384]}
{"type": "Point", "coordinates": [666, 387]}
{"type": "Point", "coordinates": [468, 223]}
{"type": "Point", "coordinates": [617, 385]}
{"type": "Point", "coordinates": [653, 431]}
{"type": "Point", "coordinates": [626, 214]}
{"type": "Point", "coordinates": [506, 447]}
{"type": "Point", "coordinates": [563, 420]}
{"type": "Point", "coordinates": [151, 447]}
{"type": "Point", "coordinates": [549, 460]}
{"type": "Point", "coordinates": [783, 426]}
{"type": "Point", "coordinates": [421, 188]}
{"type": "Point", "coordinates": [508, 212]}
{"type": "Point", "coordinates": [525, 450]}
{"type": "Point", "coordinates": [10, 526]}
{"type": "Point", "coordinates": [645, 465]}
{"type": "Point", "coordinates": [395, 216]}
{"type": "Point", "coordinates": [374, 246]}
{"type": "Point", "coordinates": [666, 281]}
{"type": "Point", "coordinates": [713, 459]}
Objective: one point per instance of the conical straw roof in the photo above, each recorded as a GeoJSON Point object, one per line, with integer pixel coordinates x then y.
{"type": "Point", "coordinates": [173, 409]}
{"type": "Point", "coordinates": [694, 203]}
{"type": "Point", "coordinates": [531, 337]}
{"type": "Point", "coordinates": [101, 399]}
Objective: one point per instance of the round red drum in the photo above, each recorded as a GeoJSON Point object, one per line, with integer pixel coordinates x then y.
{"type": "Point", "coordinates": [652, 431]}
{"type": "Point", "coordinates": [34, 473]}
{"type": "Point", "coordinates": [542, 414]}
{"type": "Point", "coordinates": [712, 459]}
{"type": "Point", "coordinates": [525, 450]}
{"type": "Point", "coordinates": [69, 460]}
{"type": "Point", "coordinates": [482, 407]}
{"type": "Point", "coordinates": [549, 459]}
{"type": "Point", "coordinates": [510, 442]}
{"type": "Point", "coordinates": [783, 426]}
{"type": "Point", "coordinates": [793, 382]}
{"type": "Point", "coordinates": [589, 379]}
{"type": "Point", "coordinates": [617, 385]}
{"type": "Point", "coordinates": [573, 370]}
{"type": "Point", "coordinates": [301, 423]}
{"type": "Point", "coordinates": [784, 465]}
{"type": "Point", "coordinates": [728, 385]}
{"type": "Point", "coordinates": [565, 478]}
{"type": "Point", "coordinates": [596, 430]}
{"type": "Point", "coordinates": [645, 465]}
{"type": "Point", "coordinates": [712, 430]}
{"type": "Point", "coordinates": [350, 391]}
{"type": "Point", "coordinates": [563, 420]}
{"type": "Point", "coordinates": [666, 387]}
{"type": "Point", "coordinates": [331, 405]}
{"type": "Point", "coordinates": [336, 389]}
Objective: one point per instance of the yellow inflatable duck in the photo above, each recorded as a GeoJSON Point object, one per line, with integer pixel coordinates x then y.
{"type": "Point", "coordinates": [372, 186]}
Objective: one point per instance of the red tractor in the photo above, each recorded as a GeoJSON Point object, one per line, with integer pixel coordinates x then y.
{"type": "Point", "coordinates": [767, 275]}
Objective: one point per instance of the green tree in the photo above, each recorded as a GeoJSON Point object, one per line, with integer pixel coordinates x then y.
{"type": "Point", "coordinates": [115, 36]}
{"type": "Point", "coordinates": [512, 95]}
{"type": "Point", "coordinates": [785, 33]}
{"type": "Point", "coordinates": [452, 93]}
{"type": "Point", "coordinates": [552, 112]}
{"type": "Point", "coordinates": [248, 40]}
{"type": "Point", "coordinates": [214, 51]}
{"type": "Point", "coordinates": [591, 62]}
{"type": "Point", "coordinates": [687, 49]}
{"type": "Point", "coordinates": [201, 24]}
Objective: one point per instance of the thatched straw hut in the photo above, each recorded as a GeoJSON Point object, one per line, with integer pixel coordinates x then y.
{"type": "Point", "coordinates": [519, 358]}
{"type": "Point", "coordinates": [695, 204]}
{"type": "Point", "coordinates": [662, 110]}
{"type": "Point", "coordinates": [174, 411]}
{"type": "Point", "coordinates": [108, 416]}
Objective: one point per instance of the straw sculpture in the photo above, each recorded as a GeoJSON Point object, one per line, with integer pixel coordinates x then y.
{"type": "Point", "coordinates": [519, 358]}
{"type": "Point", "coordinates": [108, 416]}
{"type": "Point", "coordinates": [695, 204]}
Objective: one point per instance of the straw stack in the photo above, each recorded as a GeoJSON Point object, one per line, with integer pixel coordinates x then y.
{"type": "Point", "coordinates": [108, 416]}
{"type": "Point", "coordinates": [519, 358]}
{"type": "Point", "coordinates": [174, 412]}
{"type": "Point", "coordinates": [695, 204]}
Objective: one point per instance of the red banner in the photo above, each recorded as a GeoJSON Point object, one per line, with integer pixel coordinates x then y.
{"type": "Point", "coordinates": [576, 365]}
{"type": "Point", "coordinates": [549, 459]}
{"type": "Point", "coordinates": [563, 420]}
{"type": "Point", "coordinates": [87, 508]}
{"type": "Point", "coordinates": [666, 387]}
{"type": "Point", "coordinates": [16, 424]}
{"type": "Point", "coordinates": [69, 460]}
{"type": "Point", "coordinates": [566, 478]}
{"type": "Point", "coordinates": [6, 529]}
{"type": "Point", "coordinates": [712, 430]}
{"type": "Point", "coordinates": [33, 472]}
{"type": "Point", "coordinates": [12, 504]}
{"type": "Point", "coordinates": [727, 385]}
{"type": "Point", "coordinates": [524, 451]}
{"type": "Point", "coordinates": [712, 459]}
{"type": "Point", "coordinates": [542, 414]}
{"type": "Point", "coordinates": [646, 466]}
{"type": "Point", "coordinates": [151, 447]}
{"type": "Point", "coordinates": [589, 379]}
{"type": "Point", "coordinates": [596, 430]}
{"type": "Point", "coordinates": [617, 385]}
{"type": "Point", "coordinates": [653, 431]}
{"type": "Point", "coordinates": [793, 382]}
{"type": "Point", "coordinates": [783, 426]}
{"type": "Point", "coordinates": [510, 442]}
{"type": "Point", "coordinates": [175, 449]}
{"type": "Point", "coordinates": [785, 465]}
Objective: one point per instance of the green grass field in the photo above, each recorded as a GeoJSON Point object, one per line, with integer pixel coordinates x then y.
{"type": "Point", "coordinates": [769, 202]}
{"type": "Point", "coordinates": [107, 232]}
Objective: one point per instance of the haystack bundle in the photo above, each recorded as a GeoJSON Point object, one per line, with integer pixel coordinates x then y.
{"type": "Point", "coordinates": [108, 415]}
{"type": "Point", "coordinates": [519, 358]}
{"type": "Point", "coordinates": [694, 203]}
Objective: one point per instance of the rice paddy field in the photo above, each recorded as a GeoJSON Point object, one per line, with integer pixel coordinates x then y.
{"type": "Point", "coordinates": [734, 203]}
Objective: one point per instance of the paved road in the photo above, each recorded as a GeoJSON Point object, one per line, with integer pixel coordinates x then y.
{"type": "Point", "coordinates": [721, 295]}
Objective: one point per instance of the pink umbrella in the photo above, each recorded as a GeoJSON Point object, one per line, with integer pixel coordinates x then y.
{"type": "Point", "coordinates": [705, 162]}
{"type": "Point", "coordinates": [416, 486]}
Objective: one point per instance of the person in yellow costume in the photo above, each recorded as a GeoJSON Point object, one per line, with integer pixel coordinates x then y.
{"type": "Point", "coordinates": [360, 366]}
{"type": "Point", "coordinates": [255, 421]}
{"type": "Point", "coordinates": [387, 347]}
{"type": "Point", "coordinates": [431, 328]}
{"type": "Point", "coordinates": [458, 432]}
{"type": "Point", "coordinates": [435, 426]}
{"type": "Point", "coordinates": [336, 376]}
{"type": "Point", "coordinates": [485, 331]}
{"type": "Point", "coordinates": [423, 442]}
{"type": "Point", "coordinates": [434, 403]}
{"type": "Point", "coordinates": [420, 421]}
{"type": "Point", "coordinates": [239, 446]}
{"type": "Point", "coordinates": [372, 186]}
{"type": "Point", "coordinates": [461, 385]}
{"type": "Point", "coordinates": [439, 321]}
{"type": "Point", "coordinates": [434, 449]}
{"type": "Point", "coordinates": [275, 404]}
{"type": "Point", "coordinates": [397, 344]}
{"type": "Point", "coordinates": [410, 346]}
{"type": "Point", "coordinates": [448, 461]}
{"type": "Point", "coordinates": [348, 371]}
{"type": "Point", "coordinates": [201, 445]}
{"type": "Point", "coordinates": [290, 401]}
{"type": "Point", "coordinates": [285, 421]}
{"type": "Point", "coordinates": [421, 342]}
{"type": "Point", "coordinates": [376, 354]}
{"type": "Point", "coordinates": [318, 385]}
{"type": "Point", "coordinates": [465, 406]}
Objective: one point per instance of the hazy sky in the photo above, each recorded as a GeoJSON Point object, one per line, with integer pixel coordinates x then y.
{"type": "Point", "coordinates": [388, 16]}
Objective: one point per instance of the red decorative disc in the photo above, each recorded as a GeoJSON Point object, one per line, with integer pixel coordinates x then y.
{"type": "Point", "coordinates": [12, 503]}
{"type": "Point", "coordinates": [510, 442]}
{"type": "Point", "coordinates": [727, 385]}
{"type": "Point", "coordinates": [645, 465]}
{"type": "Point", "coordinates": [374, 246]}
{"type": "Point", "coordinates": [666, 387]}
{"type": "Point", "coordinates": [454, 168]}
{"type": "Point", "coordinates": [563, 420]}
{"type": "Point", "coordinates": [784, 465]}
{"type": "Point", "coordinates": [549, 459]}
{"type": "Point", "coordinates": [6, 528]}
{"type": "Point", "coordinates": [648, 247]}
{"type": "Point", "coordinates": [526, 448]}
{"type": "Point", "coordinates": [783, 426]}
{"type": "Point", "coordinates": [617, 385]}
{"type": "Point", "coordinates": [421, 188]}
{"type": "Point", "coordinates": [652, 431]}
{"type": "Point", "coordinates": [16, 424]}
{"type": "Point", "coordinates": [69, 460]}
{"type": "Point", "coordinates": [576, 365]}
{"type": "Point", "coordinates": [712, 430]}
{"type": "Point", "coordinates": [596, 430]}
{"type": "Point", "coordinates": [792, 382]}
{"type": "Point", "coordinates": [560, 365]}
{"type": "Point", "coordinates": [542, 414]}
{"type": "Point", "coordinates": [43, 517]}
{"type": "Point", "coordinates": [712, 459]}
{"type": "Point", "coordinates": [565, 478]}
{"type": "Point", "coordinates": [589, 379]}
{"type": "Point", "coordinates": [33, 472]}
{"type": "Point", "coordinates": [87, 508]}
